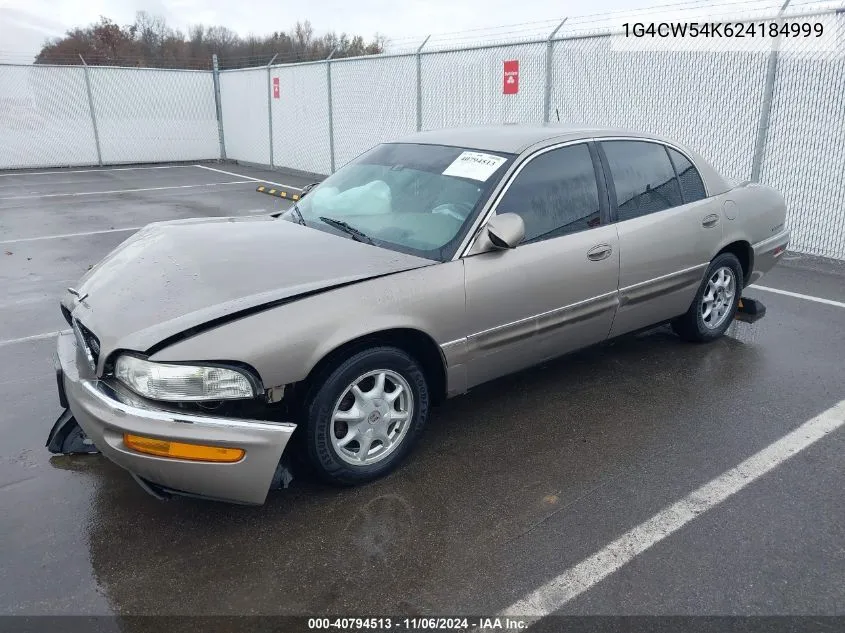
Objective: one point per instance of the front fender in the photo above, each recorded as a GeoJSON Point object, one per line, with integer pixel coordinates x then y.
{"type": "Point", "coordinates": [284, 343]}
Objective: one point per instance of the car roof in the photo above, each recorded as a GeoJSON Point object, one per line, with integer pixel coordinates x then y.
{"type": "Point", "coordinates": [515, 139]}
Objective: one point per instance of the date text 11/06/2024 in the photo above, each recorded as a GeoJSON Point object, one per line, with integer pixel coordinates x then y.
{"type": "Point", "coordinates": [420, 624]}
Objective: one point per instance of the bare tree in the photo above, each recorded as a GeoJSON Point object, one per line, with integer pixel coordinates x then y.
{"type": "Point", "coordinates": [302, 35]}
{"type": "Point", "coordinates": [150, 42]}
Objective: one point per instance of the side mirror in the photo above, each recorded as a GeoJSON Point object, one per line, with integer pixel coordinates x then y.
{"type": "Point", "coordinates": [505, 230]}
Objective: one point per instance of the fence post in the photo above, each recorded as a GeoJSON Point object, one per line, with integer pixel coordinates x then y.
{"type": "Point", "coordinates": [218, 106]}
{"type": "Point", "coordinates": [270, 106]}
{"type": "Point", "coordinates": [419, 83]}
{"type": "Point", "coordinates": [547, 95]}
{"type": "Point", "coordinates": [331, 117]}
{"type": "Point", "coordinates": [91, 109]}
{"type": "Point", "coordinates": [766, 108]}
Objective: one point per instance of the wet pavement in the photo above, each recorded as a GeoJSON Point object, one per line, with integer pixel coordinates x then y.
{"type": "Point", "coordinates": [509, 486]}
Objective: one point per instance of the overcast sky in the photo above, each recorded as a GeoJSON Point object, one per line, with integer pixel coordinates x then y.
{"type": "Point", "coordinates": [24, 24]}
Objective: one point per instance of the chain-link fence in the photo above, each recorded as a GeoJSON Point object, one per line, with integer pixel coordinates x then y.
{"type": "Point", "coordinates": [52, 116]}
{"type": "Point", "coordinates": [774, 113]}
{"type": "Point", "coordinates": [710, 102]}
{"type": "Point", "coordinates": [466, 87]}
{"type": "Point", "coordinates": [244, 105]}
{"type": "Point", "coordinates": [301, 127]}
{"type": "Point", "coordinates": [804, 156]}
{"type": "Point", "coordinates": [153, 115]}
{"type": "Point", "coordinates": [45, 117]}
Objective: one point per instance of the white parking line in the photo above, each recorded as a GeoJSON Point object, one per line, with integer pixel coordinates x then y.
{"type": "Point", "coordinates": [576, 580]}
{"type": "Point", "coordinates": [97, 193]}
{"type": "Point", "coordinates": [34, 337]}
{"type": "Point", "coordinates": [797, 295]}
{"type": "Point", "coordinates": [57, 237]}
{"type": "Point", "coordinates": [86, 171]}
{"type": "Point", "coordinates": [231, 173]}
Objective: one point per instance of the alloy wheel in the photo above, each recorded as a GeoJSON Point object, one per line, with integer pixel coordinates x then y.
{"type": "Point", "coordinates": [371, 417]}
{"type": "Point", "coordinates": [718, 297]}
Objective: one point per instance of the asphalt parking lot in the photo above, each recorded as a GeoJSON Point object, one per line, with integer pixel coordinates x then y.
{"type": "Point", "coordinates": [511, 487]}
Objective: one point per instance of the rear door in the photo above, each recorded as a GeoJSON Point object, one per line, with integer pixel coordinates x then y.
{"type": "Point", "coordinates": [668, 230]}
{"type": "Point", "coordinates": [556, 291]}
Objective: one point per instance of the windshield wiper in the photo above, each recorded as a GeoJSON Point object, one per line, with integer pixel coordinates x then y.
{"type": "Point", "coordinates": [340, 225]}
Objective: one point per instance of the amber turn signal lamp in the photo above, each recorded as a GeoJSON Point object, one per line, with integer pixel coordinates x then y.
{"type": "Point", "coordinates": [180, 450]}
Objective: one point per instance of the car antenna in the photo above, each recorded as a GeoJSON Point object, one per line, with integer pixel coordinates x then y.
{"type": "Point", "coordinates": [557, 113]}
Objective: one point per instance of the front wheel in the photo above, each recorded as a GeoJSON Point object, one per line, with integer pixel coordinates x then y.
{"type": "Point", "coordinates": [715, 303]}
{"type": "Point", "coordinates": [366, 414]}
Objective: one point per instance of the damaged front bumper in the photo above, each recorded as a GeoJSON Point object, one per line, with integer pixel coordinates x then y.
{"type": "Point", "coordinates": [106, 412]}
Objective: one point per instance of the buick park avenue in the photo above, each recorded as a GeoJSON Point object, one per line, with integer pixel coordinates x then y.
{"type": "Point", "coordinates": [201, 348]}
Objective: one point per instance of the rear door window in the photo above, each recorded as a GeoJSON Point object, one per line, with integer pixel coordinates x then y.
{"type": "Point", "coordinates": [643, 178]}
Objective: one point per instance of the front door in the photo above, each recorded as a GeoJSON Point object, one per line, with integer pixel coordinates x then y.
{"type": "Point", "coordinates": [557, 290]}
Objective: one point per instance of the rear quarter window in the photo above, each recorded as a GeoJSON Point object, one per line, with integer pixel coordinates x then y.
{"type": "Point", "coordinates": [692, 186]}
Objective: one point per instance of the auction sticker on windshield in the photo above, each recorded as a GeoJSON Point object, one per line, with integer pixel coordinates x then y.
{"type": "Point", "coordinates": [475, 165]}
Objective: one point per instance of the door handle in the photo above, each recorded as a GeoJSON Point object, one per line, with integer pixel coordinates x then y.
{"type": "Point", "coordinates": [710, 221]}
{"type": "Point", "coordinates": [600, 252]}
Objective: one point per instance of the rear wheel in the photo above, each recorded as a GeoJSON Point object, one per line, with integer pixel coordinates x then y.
{"type": "Point", "coordinates": [365, 415]}
{"type": "Point", "coordinates": [715, 303]}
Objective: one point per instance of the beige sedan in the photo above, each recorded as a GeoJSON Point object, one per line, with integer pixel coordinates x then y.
{"type": "Point", "coordinates": [419, 270]}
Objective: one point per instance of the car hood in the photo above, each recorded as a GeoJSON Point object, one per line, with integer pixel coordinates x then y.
{"type": "Point", "coordinates": [173, 276]}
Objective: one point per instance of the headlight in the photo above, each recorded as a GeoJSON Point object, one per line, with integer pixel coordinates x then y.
{"type": "Point", "coordinates": [180, 383]}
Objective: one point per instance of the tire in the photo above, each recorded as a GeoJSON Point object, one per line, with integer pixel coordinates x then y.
{"type": "Point", "coordinates": [694, 326]}
{"type": "Point", "coordinates": [389, 427]}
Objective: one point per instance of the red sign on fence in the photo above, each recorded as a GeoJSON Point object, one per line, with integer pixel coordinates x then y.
{"type": "Point", "coordinates": [275, 87]}
{"type": "Point", "coordinates": [511, 77]}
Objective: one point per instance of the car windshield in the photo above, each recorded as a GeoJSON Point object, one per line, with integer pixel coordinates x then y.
{"type": "Point", "coordinates": [417, 199]}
